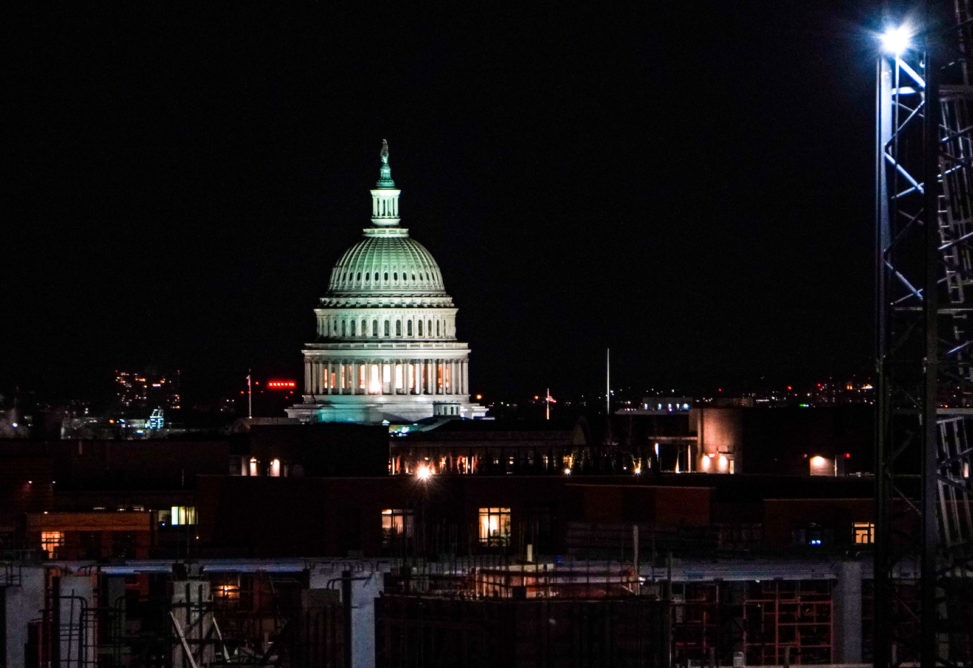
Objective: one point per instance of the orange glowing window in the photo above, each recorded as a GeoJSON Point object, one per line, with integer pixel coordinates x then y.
{"type": "Point", "coordinates": [494, 526]}
{"type": "Point", "coordinates": [864, 533]}
{"type": "Point", "coordinates": [52, 542]}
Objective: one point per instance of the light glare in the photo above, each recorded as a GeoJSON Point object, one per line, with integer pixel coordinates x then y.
{"type": "Point", "coordinates": [895, 41]}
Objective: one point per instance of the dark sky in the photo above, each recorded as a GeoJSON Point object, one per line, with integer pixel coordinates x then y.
{"type": "Point", "coordinates": [692, 187]}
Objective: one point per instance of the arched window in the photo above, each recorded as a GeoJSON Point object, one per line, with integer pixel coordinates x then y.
{"type": "Point", "coordinates": [364, 328]}
{"type": "Point", "coordinates": [374, 327]}
{"type": "Point", "coordinates": [429, 327]}
{"type": "Point", "coordinates": [387, 333]}
{"type": "Point", "coordinates": [395, 276]}
{"type": "Point", "coordinates": [408, 328]}
{"type": "Point", "coordinates": [353, 328]}
{"type": "Point", "coordinates": [359, 276]}
{"type": "Point", "coordinates": [376, 275]}
{"type": "Point", "coordinates": [342, 328]}
{"type": "Point", "coordinates": [420, 328]}
{"type": "Point", "coordinates": [398, 328]}
{"type": "Point", "coordinates": [386, 276]}
{"type": "Point", "coordinates": [366, 276]}
{"type": "Point", "coordinates": [437, 328]}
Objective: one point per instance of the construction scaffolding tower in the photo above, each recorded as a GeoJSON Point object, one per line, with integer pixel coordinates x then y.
{"type": "Point", "coordinates": [924, 302]}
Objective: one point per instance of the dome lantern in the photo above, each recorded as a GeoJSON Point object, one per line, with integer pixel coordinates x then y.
{"type": "Point", "coordinates": [385, 196]}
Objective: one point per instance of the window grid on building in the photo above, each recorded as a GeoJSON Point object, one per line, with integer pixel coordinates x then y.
{"type": "Point", "coordinates": [182, 515]}
{"type": "Point", "coordinates": [52, 542]}
{"type": "Point", "coordinates": [397, 523]}
{"type": "Point", "coordinates": [495, 526]}
{"type": "Point", "coordinates": [864, 533]}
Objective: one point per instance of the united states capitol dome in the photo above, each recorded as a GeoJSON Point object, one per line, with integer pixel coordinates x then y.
{"type": "Point", "coordinates": [387, 261]}
{"type": "Point", "coordinates": [386, 349]}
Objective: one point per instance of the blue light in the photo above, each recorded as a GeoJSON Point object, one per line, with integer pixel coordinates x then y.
{"type": "Point", "coordinates": [897, 40]}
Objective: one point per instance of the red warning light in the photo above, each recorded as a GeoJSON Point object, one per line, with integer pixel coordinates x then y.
{"type": "Point", "coordinates": [847, 455]}
{"type": "Point", "coordinates": [281, 384]}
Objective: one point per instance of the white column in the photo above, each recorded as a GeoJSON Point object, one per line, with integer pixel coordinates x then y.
{"type": "Point", "coordinates": [307, 376]}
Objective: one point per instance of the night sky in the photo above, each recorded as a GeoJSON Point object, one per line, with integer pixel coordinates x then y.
{"type": "Point", "coordinates": [693, 188]}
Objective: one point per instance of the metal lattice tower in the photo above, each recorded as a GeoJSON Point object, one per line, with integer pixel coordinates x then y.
{"type": "Point", "coordinates": [924, 310]}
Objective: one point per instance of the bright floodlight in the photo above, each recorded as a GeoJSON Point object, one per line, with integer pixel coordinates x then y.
{"type": "Point", "coordinates": [424, 472]}
{"type": "Point", "coordinates": [895, 41]}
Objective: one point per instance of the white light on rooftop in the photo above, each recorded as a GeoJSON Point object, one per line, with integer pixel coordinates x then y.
{"type": "Point", "coordinates": [896, 40]}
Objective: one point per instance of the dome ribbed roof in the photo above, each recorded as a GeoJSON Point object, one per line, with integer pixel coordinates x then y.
{"type": "Point", "coordinates": [387, 261]}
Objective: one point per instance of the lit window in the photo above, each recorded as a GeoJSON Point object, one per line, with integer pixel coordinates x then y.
{"type": "Point", "coordinates": [52, 542]}
{"type": "Point", "coordinates": [227, 591]}
{"type": "Point", "coordinates": [864, 533]}
{"type": "Point", "coordinates": [494, 526]}
{"type": "Point", "coordinates": [397, 523]}
{"type": "Point", "coordinates": [182, 515]}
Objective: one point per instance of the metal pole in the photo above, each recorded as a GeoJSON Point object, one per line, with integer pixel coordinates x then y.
{"type": "Point", "coordinates": [608, 390]}
{"type": "Point", "coordinates": [249, 394]}
{"type": "Point", "coordinates": [930, 453]}
{"type": "Point", "coordinates": [882, 599]}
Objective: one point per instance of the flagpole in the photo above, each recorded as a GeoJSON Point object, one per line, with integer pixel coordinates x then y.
{"type": "Point", "coordinates": [608, 387]}
{"type": "Point", "coordinates": [249, 395]}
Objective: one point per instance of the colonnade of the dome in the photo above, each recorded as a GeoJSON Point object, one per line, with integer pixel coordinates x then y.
{"type": "Point", "coordinates": [387, 376]}
{"type": "Point", "coordinates": [418, 326]}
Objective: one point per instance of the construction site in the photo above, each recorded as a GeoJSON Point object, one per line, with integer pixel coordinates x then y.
{"type": "Point", "coordinates": [466, 613]}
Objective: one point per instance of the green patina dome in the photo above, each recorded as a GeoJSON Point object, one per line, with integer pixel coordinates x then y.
{"type": "Point", "coordinates": [386, 261]}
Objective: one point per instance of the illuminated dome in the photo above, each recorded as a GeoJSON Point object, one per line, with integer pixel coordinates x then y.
{"type": "Point", "coordinates": [386, 347]}
{"type": "Point", "coordinates": [386, 262]}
